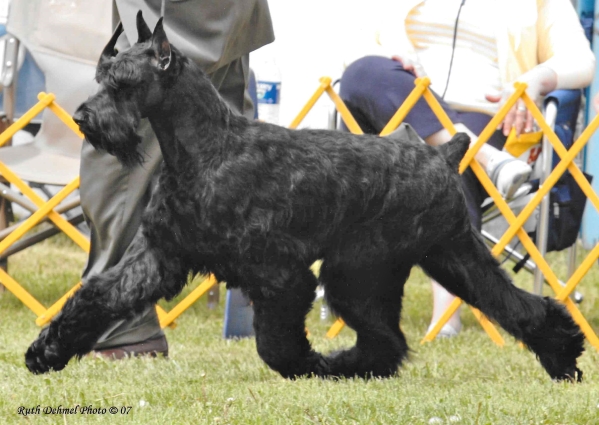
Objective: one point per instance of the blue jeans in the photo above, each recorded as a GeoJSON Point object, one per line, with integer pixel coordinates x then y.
{"type": "Point", "coordinates": [374, 87]}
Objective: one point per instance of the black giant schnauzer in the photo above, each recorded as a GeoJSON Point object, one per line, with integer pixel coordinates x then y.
{"type": "Point", "coordinates": [257, 204]}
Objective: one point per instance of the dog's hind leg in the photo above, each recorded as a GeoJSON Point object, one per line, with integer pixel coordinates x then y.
{"type": "Point", "coordinates": [369, 301]}
{"type": "Point", "coordinates": [282, 298]}
{"type": "Point", "coordinates": [141, 278]}
{"type": "Point", "coordinates": [466, 268]}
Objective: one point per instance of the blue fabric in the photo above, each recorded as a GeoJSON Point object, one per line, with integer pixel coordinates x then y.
{"type": "Point", "coordinates": [30, 82]}
{"type": "Point", "coordinates": [252, 89]}
{"type": "Point", "coordinates": [566, 198]}
{"type": "Point", "coordinates": [568, 103]}
{"type": "Point", "coordinates": [239, 316]}
{"type": "Point", "coordinates": [374, 87]}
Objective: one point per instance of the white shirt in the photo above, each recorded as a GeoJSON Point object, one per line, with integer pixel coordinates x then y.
{"type": "Point", "coordinates": [475, 70]}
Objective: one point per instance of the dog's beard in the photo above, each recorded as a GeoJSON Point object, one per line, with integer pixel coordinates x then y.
{"type": "Point", "coordinates": [115, 134]}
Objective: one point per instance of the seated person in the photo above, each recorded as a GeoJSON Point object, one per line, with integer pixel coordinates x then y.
{"type": "Point", "coordinates": [473, 51]}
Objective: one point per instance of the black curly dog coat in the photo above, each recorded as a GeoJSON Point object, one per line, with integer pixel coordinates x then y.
{"type": "Point", "coordinates": [257, 204]}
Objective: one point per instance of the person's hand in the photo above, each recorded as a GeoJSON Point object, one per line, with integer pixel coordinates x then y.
{"type": "Point", "coordinates": [410, 65]}
{"type": "Point", "coordinates": [540, 80]}
{"type": "Point", "coordinates": [518, 117]}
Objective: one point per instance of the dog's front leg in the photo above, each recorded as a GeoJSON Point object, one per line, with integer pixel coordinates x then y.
{"type": "Point", "coordinates": [141, 278]}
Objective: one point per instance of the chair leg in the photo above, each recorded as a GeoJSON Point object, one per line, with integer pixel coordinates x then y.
{"type": "Point", "coordinates": [5, 218]}
{"type": "Point", "coordinates": [6, 215]}
{"type": "Point", "coordinates": [213, 297]}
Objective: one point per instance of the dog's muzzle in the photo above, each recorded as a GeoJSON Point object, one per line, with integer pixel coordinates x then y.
{"type": "Point", "coordinates": [79, 117]}
{"type": "Point", "coordinates": [120, 139]}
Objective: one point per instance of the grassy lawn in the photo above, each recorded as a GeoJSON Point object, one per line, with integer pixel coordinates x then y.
{"type": "Point", "coordinates": [207, 380]}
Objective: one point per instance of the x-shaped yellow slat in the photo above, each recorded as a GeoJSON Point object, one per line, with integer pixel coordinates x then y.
{"type": "Point", "coordinates": [46, 209]}
{"type": "Point", "coordinates": [422, 90]}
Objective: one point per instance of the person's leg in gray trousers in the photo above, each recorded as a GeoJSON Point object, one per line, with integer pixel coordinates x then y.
{"type": "Point", "coordinates": [114, 198]}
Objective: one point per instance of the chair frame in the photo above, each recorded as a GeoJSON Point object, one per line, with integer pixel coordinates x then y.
{"type": "Point", "coordinates": [516, 223]}
{"type": "Point", "coordinates": [550, 114]}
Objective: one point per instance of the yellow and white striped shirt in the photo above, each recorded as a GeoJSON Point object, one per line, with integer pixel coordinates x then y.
{"type": "Point", "coordinates": [475, 69]}
{"type": "Point", "coordinates": [527, 33]}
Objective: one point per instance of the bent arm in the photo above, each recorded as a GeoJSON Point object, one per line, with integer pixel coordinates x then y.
{"type": "Point", "coordinates": [563, 46]}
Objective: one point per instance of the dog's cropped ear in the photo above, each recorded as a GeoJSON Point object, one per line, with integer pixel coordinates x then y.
{"type": "Point", "coordinates": [162, 47]}
{"type": "Point", "coordinates": [108, 53]}
{"type": "Point", "coordinates": [144, 33]}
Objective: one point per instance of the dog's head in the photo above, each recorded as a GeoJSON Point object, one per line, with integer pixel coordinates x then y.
{"type": "Point", "coordinates": [132, 83]}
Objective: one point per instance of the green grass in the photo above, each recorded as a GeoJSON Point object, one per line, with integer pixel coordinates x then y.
{"type": "Point", "coordinates": [207, 380]}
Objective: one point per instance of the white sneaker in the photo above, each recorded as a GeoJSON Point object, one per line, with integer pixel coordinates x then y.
{"type": "Point", "coordinates": [447, 331]}
{"type": "Point", "coordinates": [508, 173]}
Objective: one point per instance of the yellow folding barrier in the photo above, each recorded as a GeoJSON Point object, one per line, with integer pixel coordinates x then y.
{"type": "Point", "coordinates": [422, 90]}
{"type": "Point", "coordinates": [516, 223]}
{"type": "Point", "coordinates": [46, 209]}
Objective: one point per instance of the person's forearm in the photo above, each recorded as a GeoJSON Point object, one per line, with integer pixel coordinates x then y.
{"type": "Point", "coordinates": [541, 80]}
{"type": "Point", "coordinates": [574, 72]}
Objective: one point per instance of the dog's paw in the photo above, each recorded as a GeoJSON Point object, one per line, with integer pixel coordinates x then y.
{"type": "Point", "coordinates": [562, 367]}
{"type": "Point", "coordinates": [45, 355]}
{"type": "Point", "coordinates": [574, 375]}
{"type": "Point", "coordinates": [319, 365]}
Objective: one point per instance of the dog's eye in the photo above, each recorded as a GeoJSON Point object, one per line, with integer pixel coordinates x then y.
{"type": "Point", "coordinates": [164, 62]}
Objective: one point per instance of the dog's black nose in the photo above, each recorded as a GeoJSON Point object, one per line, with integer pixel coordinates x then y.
{"type": "Point", "coordinates": [78, 117]}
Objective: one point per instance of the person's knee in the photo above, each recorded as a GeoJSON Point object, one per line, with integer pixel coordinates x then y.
{"type": "Point", "coordinates": [372, 72]}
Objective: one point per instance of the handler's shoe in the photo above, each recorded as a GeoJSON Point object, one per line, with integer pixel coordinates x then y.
{"type": "Point", "coordinates": [508, 173]}
{"type": "Point", "coordinates": [150, 347]}
{"type": "Point", "coordinates": [447, 331]}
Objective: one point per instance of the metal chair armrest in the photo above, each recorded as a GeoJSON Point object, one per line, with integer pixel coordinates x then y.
{"type": "Point", "coordinates": [9, 74]}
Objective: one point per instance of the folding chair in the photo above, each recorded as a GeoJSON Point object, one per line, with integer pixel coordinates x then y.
{"type": "Point", "coordinates": [31, 167]}
{"type": "Point", "coordinates": [562, 108]}
{"type": "Point", "coordinates": [561, 112]}
{"type": "Point", "coordinates": [16, 62]}
{"type": "Point", "coordinates": [516, 223]}
{"type": "Point", "coordinates": [45, 162]}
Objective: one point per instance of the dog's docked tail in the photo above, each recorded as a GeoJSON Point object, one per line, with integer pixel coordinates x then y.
{"type": "Point", "coordinates": [455, 149]}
